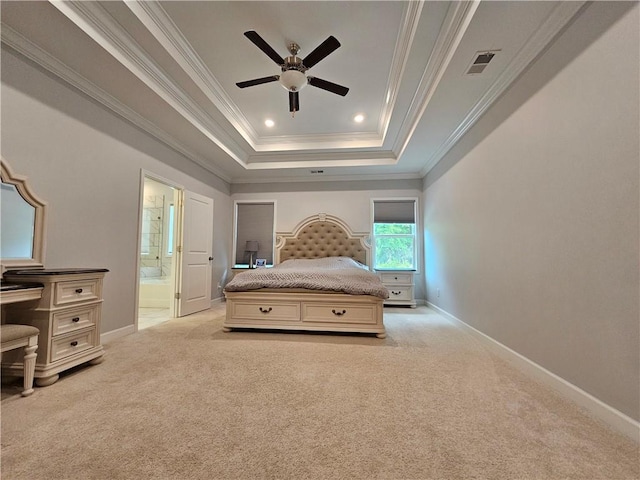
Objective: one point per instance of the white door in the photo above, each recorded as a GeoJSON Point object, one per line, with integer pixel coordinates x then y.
{"type": "Point", "coordinates": [197, 245]}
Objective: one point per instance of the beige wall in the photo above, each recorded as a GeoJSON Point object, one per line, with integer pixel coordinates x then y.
{"type": "Point", "coordinates": [86, 163]}
{"type": "Point", "coordinates": [532, 221]}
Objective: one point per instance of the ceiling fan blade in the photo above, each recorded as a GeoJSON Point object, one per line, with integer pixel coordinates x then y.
{"type": "Point", "coordinates": [264, 46]}
{"type": "Point", "coordinates": [258, 81]}
{"type": "Point", "coordinates": [294, 102]}
{"type": "Point", "coordinates": [321, 51]}
{"type": "Point", "coordinates": [328, 86]}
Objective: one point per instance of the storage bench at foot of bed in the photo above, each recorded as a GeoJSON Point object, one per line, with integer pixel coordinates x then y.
{"type": "Point", "coordinates": [331, 312]}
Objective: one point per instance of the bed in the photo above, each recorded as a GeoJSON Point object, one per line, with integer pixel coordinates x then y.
{"type": "Point", "coordinates": [320, 282]}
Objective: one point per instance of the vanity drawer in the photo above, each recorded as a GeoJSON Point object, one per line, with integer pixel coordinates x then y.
{"type": "Point", "coordinates": [75, 291]}
{"type": "Point", "coordinates": [68, 345]}
{"type": "Point", "coordinates": [338, 313]}
{"type": "Point", "coordinates": [400, 293]}
{"type": "Point", "coordinates": [75, 319]}
{"type": "Point", "coordinates": [268, 310]}
{"type": "Point", "coordinates": [396, 278]}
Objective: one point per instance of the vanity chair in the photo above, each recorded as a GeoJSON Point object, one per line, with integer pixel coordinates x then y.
{"type": "Point", "coordinates": [60, 307]}
{"type": "Point", "coordinates": [17, 336]}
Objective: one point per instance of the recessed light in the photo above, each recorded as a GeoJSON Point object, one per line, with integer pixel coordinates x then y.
{"type": "Point", "coordinates": [358, 118]}
{"type": "Point", "coordinates": [269, 123]}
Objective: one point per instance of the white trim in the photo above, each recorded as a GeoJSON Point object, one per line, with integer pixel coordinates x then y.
{"type": "Point", "coordinates": [23, 46]}
{"type": "Point", "coordinates": [177, 257]}
{"type": "Point", "coordinates": [454, 27]}
{"type": "Point", "coordinates": [93, 20]}
{"type": "Point", "coordinates": [163, 29]}
{"type": "Point", "coordinates": [418, 235]}
{"type": "Point", "coordinates": [613, 418]}
{"type": "Point", "coordinates": [306, 177]}
{"type": "Point", "coordinates": [216, 301]}
{"type": "Point", "coordinates": [117, 333]}
{"type": "Point", "coordinates": [413, 11]}
{"type": "Point", "coordinates": [559, 17]}
{"type": "Point", "coordinates": [320, 160]}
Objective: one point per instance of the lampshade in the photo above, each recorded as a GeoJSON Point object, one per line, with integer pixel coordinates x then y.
{"type": "Point", "coordinates": [293, 80]}
{"type": "Point", "coordinates": [252, 246]}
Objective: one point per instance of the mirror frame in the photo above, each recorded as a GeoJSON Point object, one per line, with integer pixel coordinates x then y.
{"type": "Point", "coordinates": [39, 227]}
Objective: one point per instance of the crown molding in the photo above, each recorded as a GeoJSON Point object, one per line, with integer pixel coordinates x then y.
{"type": "Point", "coordinates": [457, 21]}
{"type": "Point", "coordinates": [160, 25]}
{"type": "Point", "coordinates": [560, 16]}
{"type": "Point", "coordinates": [320, 160]}
{"type": "Point", "coordinates": [164, 30]}
{"type": "Point", "coordinates": [20, 44]}
{"type": "Point", "coordinates": [328, 178]}
{"type": "Point", "coordinates": [400, 59]}
{"type": "Point", "coordinates": [92, 19]}
{"type": "Point", "coordinates": [342, 141]}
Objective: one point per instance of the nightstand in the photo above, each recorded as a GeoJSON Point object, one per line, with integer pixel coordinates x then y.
{"type": "Point", "coordinates": [400, 286]}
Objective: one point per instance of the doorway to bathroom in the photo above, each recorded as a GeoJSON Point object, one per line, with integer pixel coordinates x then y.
{"type": "Point", "coordinates": [158, 262]}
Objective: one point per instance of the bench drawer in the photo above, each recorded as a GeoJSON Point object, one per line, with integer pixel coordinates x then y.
{"type": "Point", "coordinates": [338, 313]}
{"type": "Point", "coordinates": [256, 311]}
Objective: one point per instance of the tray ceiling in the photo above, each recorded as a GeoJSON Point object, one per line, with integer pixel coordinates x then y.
{"type": "Point", "coordinates": [172, 67]}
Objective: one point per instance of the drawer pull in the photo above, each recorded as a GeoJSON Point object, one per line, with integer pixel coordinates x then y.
{"type": "Point", "coordinates": [395, 278]}
{"type": "Point", "coordinates": [74, 343]}
{"type": "Point", "coordinates": [78, 290]}
{"type": "Point", "coordinates": [265, 310]}
{"type": "Point", "coordinates": [75, 319]}
{"type": "Point", "coordinates": [339, 314]}
{"type": "Point", "coordinates": [396, 293]}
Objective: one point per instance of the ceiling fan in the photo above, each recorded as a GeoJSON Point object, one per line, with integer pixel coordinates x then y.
{"type": "Point", "coordinates": [294, 76]}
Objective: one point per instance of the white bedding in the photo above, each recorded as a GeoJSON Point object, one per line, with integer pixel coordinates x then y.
{"type": "Point", "coordinates": [335, 274]}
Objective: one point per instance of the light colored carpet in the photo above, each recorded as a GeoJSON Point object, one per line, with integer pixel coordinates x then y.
{"type": "Point", "coordinates": [183, 400]}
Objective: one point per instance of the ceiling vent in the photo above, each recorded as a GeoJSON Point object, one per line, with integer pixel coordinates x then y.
{"type": "Point", "coordinates": [480, 61]}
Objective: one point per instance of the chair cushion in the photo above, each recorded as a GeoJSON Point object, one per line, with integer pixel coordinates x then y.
{"type": "Point", "coordinates": [10, 332]}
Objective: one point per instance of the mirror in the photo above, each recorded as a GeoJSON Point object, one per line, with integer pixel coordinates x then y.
{"type": "Point", "coordinates": [22, 222]}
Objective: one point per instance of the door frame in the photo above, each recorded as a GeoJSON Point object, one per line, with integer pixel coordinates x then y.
{"type": "Point", "coordinates": [177, 234]}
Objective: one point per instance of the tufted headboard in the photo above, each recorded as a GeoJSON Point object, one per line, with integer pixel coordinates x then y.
{"type": "Point", "coordinates": [320, 236]}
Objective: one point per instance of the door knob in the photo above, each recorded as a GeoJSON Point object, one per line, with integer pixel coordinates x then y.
{"type": "Point", "coordinates": [210, 258]}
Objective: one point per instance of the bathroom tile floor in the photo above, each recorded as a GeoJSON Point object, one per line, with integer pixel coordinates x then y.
{"type": "Point", "coordinates": [148, 317]}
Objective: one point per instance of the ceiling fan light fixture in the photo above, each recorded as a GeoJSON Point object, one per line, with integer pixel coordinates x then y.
{"type": "Point", "coordinates": [293, 80]}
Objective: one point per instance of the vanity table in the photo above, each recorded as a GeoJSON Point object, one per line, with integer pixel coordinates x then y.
{"type": "Point", "coordinates": [65, 305]}
{"type": "Point", "coordinates": [68, 316]}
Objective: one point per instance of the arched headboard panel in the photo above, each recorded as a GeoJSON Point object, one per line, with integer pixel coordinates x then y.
{"type": "Point", "coordinates": [321, 236]}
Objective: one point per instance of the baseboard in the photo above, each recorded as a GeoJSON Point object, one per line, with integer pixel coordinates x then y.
{"type": "Point", "coordinates": [118, 333]}
{"type": "Point", "coordinates": [215, 301]}
{"type": "Point", "coordinates": [600, 410]}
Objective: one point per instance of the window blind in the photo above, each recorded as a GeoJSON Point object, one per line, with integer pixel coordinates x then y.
{"type": "Point", "coordinates": [394, 211]}
{"type": "Point", "coordinates": [254, 222]}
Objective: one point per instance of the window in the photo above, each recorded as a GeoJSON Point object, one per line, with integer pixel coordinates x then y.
{"type": "Point", "coordinates": [254, 224]}
{"type": "Point", "coordinates": [394, 234]}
